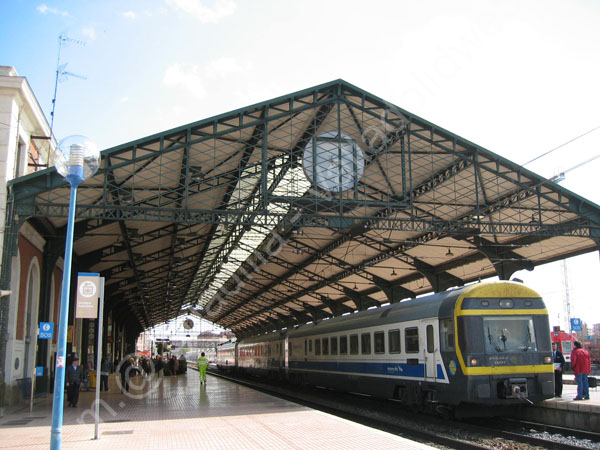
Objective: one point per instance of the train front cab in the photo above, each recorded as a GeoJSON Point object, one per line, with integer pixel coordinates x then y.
{"type": "Point", "coordinates": [502, 344]}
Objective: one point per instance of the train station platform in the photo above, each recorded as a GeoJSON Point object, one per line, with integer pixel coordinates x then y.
{"type": "Point", "coordinates": [567, 412]}
{"type": "Point", "coordinates": [178, 413]}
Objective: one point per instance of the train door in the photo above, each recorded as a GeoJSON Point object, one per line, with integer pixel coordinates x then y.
{"type": "Point", "coordinates": [430, 349]}
{"type": "Point", "coordinates": [566, 348]}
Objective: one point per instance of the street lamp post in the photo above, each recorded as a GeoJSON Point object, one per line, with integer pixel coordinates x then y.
{"type": "Point", "coordinates": [76, 159]}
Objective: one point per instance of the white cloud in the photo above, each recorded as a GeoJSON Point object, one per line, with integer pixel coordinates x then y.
{"type": "Point", "coordinates": [44, 9]}
{"type": "Point", "coordinates": [89, 32]}
{"type": "Point", "coordinates": [123, 99]}
{"type": "Point", "coordinates": [129, 15]}
{"type": "Point", "coordinates": [205, 14]}
{"type": "Point", "coordinates": [185, 76]}
{"type": "Point", "coordinates": [222, 67]}
{"type": "Point", "coordinates": [194, 78]}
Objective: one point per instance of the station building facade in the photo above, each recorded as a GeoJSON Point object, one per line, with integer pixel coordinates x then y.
{"type": "Point", "coordinates": [27, 146]}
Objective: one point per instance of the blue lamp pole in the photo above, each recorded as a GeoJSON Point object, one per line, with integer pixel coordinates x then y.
{"type": "Point", "coordinates": [76, 159]}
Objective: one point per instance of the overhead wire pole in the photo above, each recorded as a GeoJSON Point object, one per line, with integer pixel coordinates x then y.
{"type": "Point", "coordinates": [567, 302]}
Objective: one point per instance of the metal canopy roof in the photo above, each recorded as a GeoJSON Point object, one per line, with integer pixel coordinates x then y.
{"type": "Point", "coordinates": [307, 206]}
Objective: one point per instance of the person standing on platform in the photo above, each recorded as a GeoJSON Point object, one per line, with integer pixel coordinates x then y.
{"type": "Point", "coordinates": [74, 380]}
{"type": "Point", "coordinates": [125, 373]}
{"type": "Point", "coordinates": [582, 366]}
{"type": "Point", "coordinates": [104, 370]}
{"type": "Point", "coordinates": [559, 362]}
{"type": "Point", "coordinates": [202, 366]}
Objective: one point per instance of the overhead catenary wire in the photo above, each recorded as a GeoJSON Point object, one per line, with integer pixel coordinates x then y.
{"type": "Point", "coordinates": [583, 163]}
{"type": "Point", "coordinates": [561, 145]}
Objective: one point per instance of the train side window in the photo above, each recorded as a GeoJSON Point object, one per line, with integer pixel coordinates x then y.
{"type": "Point", "coordinates": [317, 347]}
{"type": "Point", "coordinates": [447, 334]}
{"type": "Point", "coordinates": [326, 346]}
{"type": "Point", "coordinates": [411, 340]}
{"type": "Point", "coordinates": [310, 346]}
{"type": "Point", "coordinates": [379, 338]}
{"type": "Point", "coordinates": [305, 347]}
{"type": "Point", "coordinates": [354, 344]}
{"type": "Point", "coordinates": [365, 343]}
{"type": "Point", "coordinates": [430, 339]}
{"type": "Point", "coordinates": [334, 345]}
{"type": "Point", "coordinates": [394, 341]}
{"type": "Point", "coordinates": [343, 345]}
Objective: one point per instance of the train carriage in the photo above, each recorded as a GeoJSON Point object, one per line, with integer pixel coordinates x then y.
{"type": "Point", "coordinates": [486, 344]}
{"type": "Point", "coordinates": [262, 356]}
{"type": "Point", "coordinates": [363, 352]}
{"type": "Point", "coordinates": [226, 358]}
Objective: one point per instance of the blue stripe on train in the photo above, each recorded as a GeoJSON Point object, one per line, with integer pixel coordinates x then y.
{"type": "Point", "coordinates": [371, 368]}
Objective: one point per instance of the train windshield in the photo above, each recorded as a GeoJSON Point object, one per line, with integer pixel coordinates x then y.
{"type": "Point", "coordinates": [509, 334]}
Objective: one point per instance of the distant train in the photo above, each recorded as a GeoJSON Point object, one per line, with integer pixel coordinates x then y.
{"type": "Point", "coordinates": [485, 345]}
{"type": "Point", "coordinates": [564, 343]}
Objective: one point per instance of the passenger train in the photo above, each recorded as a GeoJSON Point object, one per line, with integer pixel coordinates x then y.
{"type": "Point", "coordinates": [470, 350]}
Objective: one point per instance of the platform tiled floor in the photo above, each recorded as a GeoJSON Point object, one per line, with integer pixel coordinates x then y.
{"type": "Point", "coordinates": [177, 413]}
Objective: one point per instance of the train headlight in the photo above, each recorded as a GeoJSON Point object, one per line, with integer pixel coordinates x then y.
{"type": "Point", "coordinates": [506, 303]}
{"type": "Point", "coordinates": [474, 362]}
{"type": "Point", "coordinates": [548, 360]}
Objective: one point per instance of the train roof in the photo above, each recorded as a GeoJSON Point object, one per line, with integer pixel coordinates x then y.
{"type": "Point", "coordinates": [275, 336]}
{"type": "Point", "coordinates": [435, 305]}
{"type": "Point", "coordinates": [419, 308]}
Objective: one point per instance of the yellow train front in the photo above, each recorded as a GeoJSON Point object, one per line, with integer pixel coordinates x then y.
{"type": "Point", "coordinates": [496, 347]}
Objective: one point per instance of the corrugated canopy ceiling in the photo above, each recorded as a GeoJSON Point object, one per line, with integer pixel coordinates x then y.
{"type": "Point", "coordinates": [307, 206]}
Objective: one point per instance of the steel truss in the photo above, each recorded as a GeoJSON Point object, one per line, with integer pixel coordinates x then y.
{"type": "Point", "coordinates": [223, 215]}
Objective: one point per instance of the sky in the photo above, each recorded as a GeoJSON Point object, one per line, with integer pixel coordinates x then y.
{"type": "Point", "coordinates": [519, 78]}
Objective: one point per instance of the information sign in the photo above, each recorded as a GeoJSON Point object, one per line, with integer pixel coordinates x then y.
{"type": "Point", "coordinates": [87, 296]}
{"type": "Point", "coordinates": [46, 330]}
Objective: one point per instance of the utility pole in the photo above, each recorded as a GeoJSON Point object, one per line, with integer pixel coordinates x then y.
{"type": "Point", "coordinates": [567, 301]}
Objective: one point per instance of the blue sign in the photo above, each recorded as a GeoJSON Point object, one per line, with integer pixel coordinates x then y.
{"type": "Point", "coordinates": [575, 324]}
{"type": "Point", "coordinates": [46, 330]}
{"type": "Point", "coordinates": [39, 371]}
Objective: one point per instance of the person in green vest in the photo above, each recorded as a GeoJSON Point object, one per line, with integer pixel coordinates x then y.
{"type": "Point", "coordinates": [202, 366]}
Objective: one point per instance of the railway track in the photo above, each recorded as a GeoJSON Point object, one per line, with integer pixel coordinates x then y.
{"type": "Point", "coordinates": [432, 430]}
{"type": "Point", "coordinates": [532, 429]}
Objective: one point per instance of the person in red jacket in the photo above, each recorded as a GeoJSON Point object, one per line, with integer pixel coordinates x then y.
{"type": "Point", "coordinates": [582, 366]}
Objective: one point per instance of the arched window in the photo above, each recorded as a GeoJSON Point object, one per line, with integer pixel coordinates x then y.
{"type": "Point", "coordinates": [31, 315]}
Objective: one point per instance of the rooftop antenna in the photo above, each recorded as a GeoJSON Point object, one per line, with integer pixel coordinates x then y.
{"type": "Point", "coordinates": [61, 73]}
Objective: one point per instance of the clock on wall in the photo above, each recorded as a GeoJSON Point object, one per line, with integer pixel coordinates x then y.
{"type": "Point", "coordinates": [333, 161]}
{"type": "Point", "coordinates": [188, 324]}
